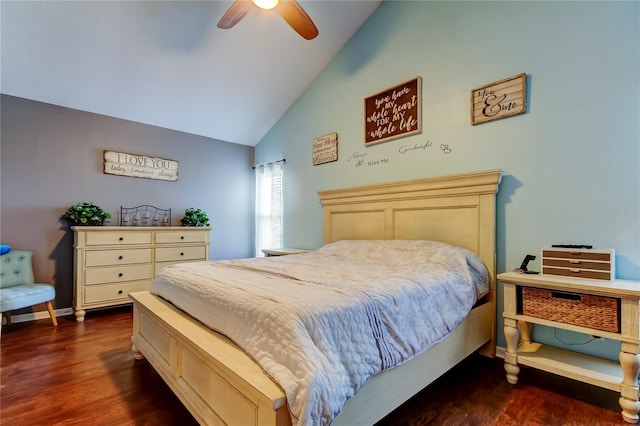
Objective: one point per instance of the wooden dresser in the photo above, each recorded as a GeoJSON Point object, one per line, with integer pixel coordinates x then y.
{"type": "Point", "coordinates": [112, 261]}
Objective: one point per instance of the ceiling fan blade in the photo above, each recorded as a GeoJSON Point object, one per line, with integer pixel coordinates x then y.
{"type": "Point", "coordinates": [235, 13]}
{"type": "Point", "coordinates": [297, 18]}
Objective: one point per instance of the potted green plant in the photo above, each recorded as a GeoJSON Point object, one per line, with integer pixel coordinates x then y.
{"type": "Point", "coordinates": [194, 217]}
{"type": "Point", "coordinates": [86, 214]}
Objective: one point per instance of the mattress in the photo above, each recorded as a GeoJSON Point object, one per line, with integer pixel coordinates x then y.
{"type": "Point", "coordinates": [322, 323]}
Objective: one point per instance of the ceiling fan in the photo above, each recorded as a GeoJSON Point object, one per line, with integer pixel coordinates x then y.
{"type": "Point", "coordinates": [290, 10]}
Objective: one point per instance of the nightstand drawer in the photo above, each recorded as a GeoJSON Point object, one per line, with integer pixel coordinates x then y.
{"type": "Point", "coordinates": [118, 274]}
{"type": "Point", "coordinates": [117, 238]}
{"type": "Point", "coordinates": [584, 310]}
{"type": "Point", "coordinates": [576, 263]}
{"type": "Point", "coordinates": [181, 237]}
{"type": "Point", "coordinates": [577, 272]}
{"type": "Point", "coordinates": [600, 255]}
{"type": "Point", "coordinates": [117, 292]}
{"type": "Point", "coordinates": [171, 254]}
{"type": "Point", "coordinates": [116, 257]}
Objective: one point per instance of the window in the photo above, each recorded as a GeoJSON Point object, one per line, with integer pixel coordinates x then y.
{"type": "Point", "coordinates": [268, 206]}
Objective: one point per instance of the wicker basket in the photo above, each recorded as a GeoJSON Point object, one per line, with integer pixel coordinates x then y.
{"type": "Point", "coordinates": [597, 312]}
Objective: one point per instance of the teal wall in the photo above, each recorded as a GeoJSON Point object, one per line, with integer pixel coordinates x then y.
{"type": "Point", "coordinates": [570, 164]}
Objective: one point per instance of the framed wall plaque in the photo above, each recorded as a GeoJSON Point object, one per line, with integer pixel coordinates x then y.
{"type": "Point", "coordinates": [393, 113]}
{"type": "Point", "coordinates": [500, 99]}
{"type": "Point", "coordinates": [325, 149]}
{"type": "Point", "coordinates": [123, 164]}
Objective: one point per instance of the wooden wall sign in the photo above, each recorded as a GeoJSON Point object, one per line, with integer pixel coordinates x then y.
{"type": "Point", "coordinates": [500, 99]}
{"type": "Point", "coordinates": [325, 149]}
{"type": "Point", "coordinates": [393, 113]}
{"type": "Point", "coordinates": [123, 164]}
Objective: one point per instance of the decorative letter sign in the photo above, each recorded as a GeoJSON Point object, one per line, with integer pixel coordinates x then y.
{"type": "Point", "coordinates": [393, 113]}
{"type": "Point", "coordinates": [500, 99]}
{"type": "Point", "coordinates": [120, 163]}
{"type": "Point", "coordinates": [325, 149]}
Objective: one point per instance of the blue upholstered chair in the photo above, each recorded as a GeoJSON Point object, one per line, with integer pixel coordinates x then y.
{"type": "Point", "coordinates": [17, 287]}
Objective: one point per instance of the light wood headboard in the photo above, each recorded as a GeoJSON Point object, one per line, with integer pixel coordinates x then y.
{"type": "Point", "coordinates": [457, 209]}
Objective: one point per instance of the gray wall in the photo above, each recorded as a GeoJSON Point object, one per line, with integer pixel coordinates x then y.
{"type": "Point", "coordinates": [51, 158]}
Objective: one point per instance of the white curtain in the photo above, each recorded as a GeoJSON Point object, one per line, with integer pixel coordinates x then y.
{"type": "Point", "coordinates": [268, 206]}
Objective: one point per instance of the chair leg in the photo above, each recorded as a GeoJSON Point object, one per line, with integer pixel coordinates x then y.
{"type": "Point", "coordinates": [52, 314]}
{"type": "Point", "coordinates": [8, 315]}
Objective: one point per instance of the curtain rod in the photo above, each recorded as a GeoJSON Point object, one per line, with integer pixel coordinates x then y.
{"type": "Point", "coordinates": [283, 161]}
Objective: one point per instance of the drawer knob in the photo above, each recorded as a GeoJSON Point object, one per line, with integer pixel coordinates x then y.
{"type": "Point", "coordinates": [119, 291]}
{"type": "Point", "coordinates": [182, 237]}
{"type": "Point", "coordinates": [120, 257]}
{"type": "Point", "coordinates": [121, 238]}
{"type": "Point", "coordinates": [120, 274]}
{"type": "Point", "coordinates": [181, 254]}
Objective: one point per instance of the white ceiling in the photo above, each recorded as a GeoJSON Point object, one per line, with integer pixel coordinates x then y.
{"type": "Point", "coordinates": [165, 63]}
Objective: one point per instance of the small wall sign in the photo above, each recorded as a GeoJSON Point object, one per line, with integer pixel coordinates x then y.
{"type": "Point", "coordinates": [500, 99]}
{"type": "Point", "coordinates": [393, 113]}
{"type": "Point", "coordinates": [325, 149]}
{"type": "Point", "coordinates": [123, 164]}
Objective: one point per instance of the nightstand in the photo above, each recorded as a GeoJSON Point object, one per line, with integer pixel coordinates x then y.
{"type": "Point", "coordinates": [282, 252]}
{"type": "Point", "coordinates": [620, 321]}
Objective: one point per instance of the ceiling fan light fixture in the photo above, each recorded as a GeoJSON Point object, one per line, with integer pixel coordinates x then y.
{"type": "Point", "coordinates": [266, 4]}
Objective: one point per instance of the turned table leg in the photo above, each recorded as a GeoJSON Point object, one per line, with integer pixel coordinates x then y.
{"type": "Point", "coordinates": [512, 336]}
{"type": "Point", "coordinates": [136, 353]}
{"type": "Point", "coordinates": [80, 315]}
{"type": "Point", "coordinates": [630, 363]}
{"type": "Point", "coordinates": [525, 331]}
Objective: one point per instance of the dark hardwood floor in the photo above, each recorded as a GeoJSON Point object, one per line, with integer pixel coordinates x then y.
{"type": "Point", "coordinates": [85, 374]}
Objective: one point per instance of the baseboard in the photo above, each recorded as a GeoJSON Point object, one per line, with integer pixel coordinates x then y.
{"type": "Point", "coordinates": [500, 351]}
{"type": "Point", "coordinates": [37, 315]}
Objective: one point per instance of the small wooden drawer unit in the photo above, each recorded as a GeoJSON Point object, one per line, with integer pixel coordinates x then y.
{"type": "Point", "coordinates": [579, 263]}
{"type": "Point", "coordinates": [113, 261]}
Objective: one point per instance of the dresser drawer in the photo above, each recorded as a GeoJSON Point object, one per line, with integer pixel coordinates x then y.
{"type": "Point", "coordinates": [110, 274]}
{"type": "Point", "coordinates": [117, 257]}
{"type": "Point", "coordinates": [173, 254]}
{"type": "Point", "coordinates": [181, 237]}
{"type": "Point", "coordinates": [117, 292]}
{"type": "Point", "coordinates": [117, 238]}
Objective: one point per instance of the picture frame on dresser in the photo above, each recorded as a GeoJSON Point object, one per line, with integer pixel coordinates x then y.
{"type": "Point", "coordinates": [112, 261]}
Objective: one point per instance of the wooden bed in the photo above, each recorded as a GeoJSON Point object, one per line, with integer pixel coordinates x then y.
{"type": "Point", "coordinates": [220, 384]}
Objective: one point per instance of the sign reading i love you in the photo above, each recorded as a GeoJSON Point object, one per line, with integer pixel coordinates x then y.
{"type": "Point", "coordinates": [123, 164]}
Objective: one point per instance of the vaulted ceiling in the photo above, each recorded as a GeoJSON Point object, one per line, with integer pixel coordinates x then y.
{"type": "Point", "coordinates": [166, 63]}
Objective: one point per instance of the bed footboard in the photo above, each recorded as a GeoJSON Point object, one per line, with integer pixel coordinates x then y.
{"type": "Point", "coordinates": [220, 384]}
{"type": "Point", "coordinates": [213, 378]}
